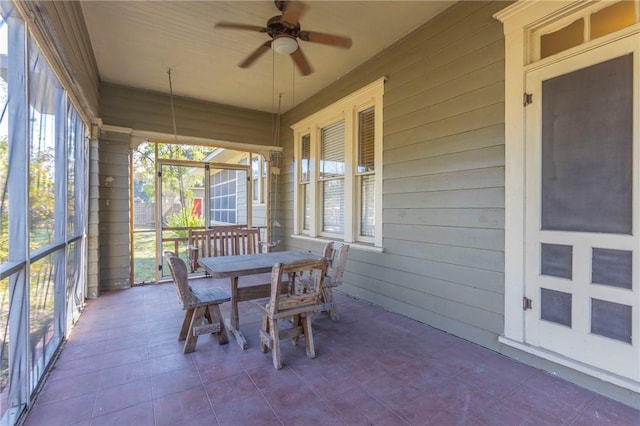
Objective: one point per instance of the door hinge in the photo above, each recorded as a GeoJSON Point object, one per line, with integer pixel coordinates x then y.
{"type": "Point", "coordinates": [159, 267]}
{"type": "Point", "coordinates": [526, 303]}
{"type": "Point", "coordinates": [159, 174]}
{"type": "Point", "coordinates": [527, 98]}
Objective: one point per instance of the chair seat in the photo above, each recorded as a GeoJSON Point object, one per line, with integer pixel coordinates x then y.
{"type": "Point", "coordinates": [207, 296]}
{"type": "Point", "coordinates": [201, 306]}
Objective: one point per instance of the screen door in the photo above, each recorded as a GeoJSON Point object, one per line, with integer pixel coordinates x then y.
{"type": "Point", "coordinates": [581, 254]}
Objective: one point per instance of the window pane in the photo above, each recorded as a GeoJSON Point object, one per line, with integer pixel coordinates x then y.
{"type": "Point", "coordinates": [255, 166]}
{"type": "Point", "coordinates": [333, 206]}
{"type": "Point", "coordinates": [41, 302]}
{"type": "Point", "coordinates": [332, 151]}
{"type": "Point", "coordinates": [563, 39]}
{"type": "Point", "coordinates": [307, 207]}
{"type": "Point", "coordinates": [226, 206]}
{"type": "Point", "coordinates": [4, 151]}
{"type": "Point", "coordinates": [255, 178]}
{"type": "Point", "coordinates": [367, 206]}
{"type": "Point", "coordinates": [81, 162]}
{"type": "Point", "coordinates": [75, 281]}
{"type": "Point", "coordinates": [144, 219]}
{"type": "Point", "coordinates": [556, 260]}
{"type": "Point", "coordinates": [555, 306]}
{"type": "Point", "coordinates": [44, 100]}
{"type": "Point", "coordinates": [305, 159]}
{"type": "Point", "coordinates": [617, 16]}
{"type": "Point", "coordinates": [587, 141]}
{"type": "Point", "coordinates": [4, 345]}
{"type": "Point", "coordinates": [612, 267]}
{"type": "Point", "coordinates": [72, 128]}
{"type": "Point", "coordinates": [611, 320]}
{"type": "Point", "coordinates": [366, 140]}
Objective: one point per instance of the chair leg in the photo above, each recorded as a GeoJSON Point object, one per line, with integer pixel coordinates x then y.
{"type": "Point", "coordinates": [308, 336]}
{"type": "Point", "coordinates": [275, 343]}
{"type": "Point", "coordinates": [186, 322]}
{"type": "Point", "coordinates": [327, 297]}
{"type": "Point", "coordinates": [196, 319]}
{"type": "Point", "coordinates": [216, 316]}
{"type": "Point", "coordinates": [265, 331]}
{"type": "Point", "coordinates": [296, 321]}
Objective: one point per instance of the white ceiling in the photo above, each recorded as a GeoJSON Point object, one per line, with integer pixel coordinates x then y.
{"type": "Point", "coordinates": [137, 42]}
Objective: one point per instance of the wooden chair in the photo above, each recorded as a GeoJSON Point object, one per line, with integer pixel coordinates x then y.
{"type": "Point", "coordinates": [296, 289]}
{"type": "Point", "coordinates": [336, 255]}
{"type": "Point", "coordinates": [201, 306]}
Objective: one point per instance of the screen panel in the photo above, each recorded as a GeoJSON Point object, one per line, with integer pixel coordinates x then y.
{"type": "Point", "coordinates": [587, 149]}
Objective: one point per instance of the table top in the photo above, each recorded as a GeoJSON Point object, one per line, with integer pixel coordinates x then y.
{"type": "Point", "coordinates": [250, 264]}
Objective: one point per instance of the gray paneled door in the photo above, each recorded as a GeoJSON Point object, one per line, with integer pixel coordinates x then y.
{"type": "Point", "coordinates": [582, 245]}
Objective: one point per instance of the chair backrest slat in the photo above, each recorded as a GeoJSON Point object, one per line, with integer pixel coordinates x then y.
{"type": "Point", "coordinates": [296, 285]}
{"type": "Point", "coordinates": [180, 278]}
{"type": "Point", "coordinates": [223, 241]}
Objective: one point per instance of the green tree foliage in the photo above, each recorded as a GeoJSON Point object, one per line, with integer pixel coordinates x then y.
{"type": "Point", "coordinates": [184, 218]}
{"type": "Point", "coordinates": [174, 179]}
{"type": "Point", "coordinates": [42, 195]}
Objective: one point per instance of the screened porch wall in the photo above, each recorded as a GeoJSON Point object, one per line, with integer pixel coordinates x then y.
{"type": "Point", "coordinates": [443, 171]}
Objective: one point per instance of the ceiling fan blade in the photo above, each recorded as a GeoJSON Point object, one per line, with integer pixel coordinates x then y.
{"type": "Point", "coordinates": [293, 12]}
{"type": "Point", "coordinates": [256, 54]}
{"type": "Point", "coordinates": [301, 62]}
{"type": "Point", "coordinates": [234, 26]}
{"type": "Point", "coordinates": [328, 39]}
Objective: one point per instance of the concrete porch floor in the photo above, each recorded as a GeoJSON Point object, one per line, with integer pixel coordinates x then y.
{"type": "Point", "coordinates": [123, 365]}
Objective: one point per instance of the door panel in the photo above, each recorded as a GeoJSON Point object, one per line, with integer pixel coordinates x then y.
{"type": "Point", "coordinates": [581, 254]}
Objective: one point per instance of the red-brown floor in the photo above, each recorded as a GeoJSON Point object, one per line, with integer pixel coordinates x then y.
{"type": "Point", "coordinates": [123, 365]}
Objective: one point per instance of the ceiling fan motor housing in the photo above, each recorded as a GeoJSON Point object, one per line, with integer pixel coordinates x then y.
{"type": "Point", "coordinates": [277, 27]}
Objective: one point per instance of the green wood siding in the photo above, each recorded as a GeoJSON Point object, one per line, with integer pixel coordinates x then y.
{"type": "Point", "coordinates": [149, 111]}
{"type": "Point", "coordinates": [114, 212]}
{"type": "Point", "coordinates": [443, 189]}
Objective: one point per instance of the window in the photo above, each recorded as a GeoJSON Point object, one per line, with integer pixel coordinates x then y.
{"type": "Point", "coordinates": [332, 178]}
{"type": "Point", "coordinates": [338, 153]}
{"type": "Point", "coordinates": [223, 197]}
{"type": "Point", "coordinates": [590, 23]}
{"type": "Point", "coordinates": [258, 176]}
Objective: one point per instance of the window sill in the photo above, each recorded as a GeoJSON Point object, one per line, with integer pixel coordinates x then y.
{"type": "Point", "coordinates": [353, 245]}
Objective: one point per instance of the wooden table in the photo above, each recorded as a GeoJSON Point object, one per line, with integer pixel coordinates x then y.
{"type": "Point", "coordinates": [234, 267]}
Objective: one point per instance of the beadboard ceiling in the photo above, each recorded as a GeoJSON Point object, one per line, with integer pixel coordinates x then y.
{"type": "Point", "coordinates": [137, 42]}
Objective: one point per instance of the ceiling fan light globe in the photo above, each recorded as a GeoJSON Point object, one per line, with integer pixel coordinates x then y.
{"type": "Point", "coordinates": [284, 45]}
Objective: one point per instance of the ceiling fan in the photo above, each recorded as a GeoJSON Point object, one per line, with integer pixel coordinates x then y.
{"type": "Point", "coordinates": [285, 31]}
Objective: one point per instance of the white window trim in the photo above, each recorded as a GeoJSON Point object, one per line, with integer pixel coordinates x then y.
{"type": "Point", "coordinates": [346, 108]}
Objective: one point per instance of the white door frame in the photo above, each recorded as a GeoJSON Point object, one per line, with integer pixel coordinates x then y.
{"type": "Point", "coordinates": [519, 20]}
